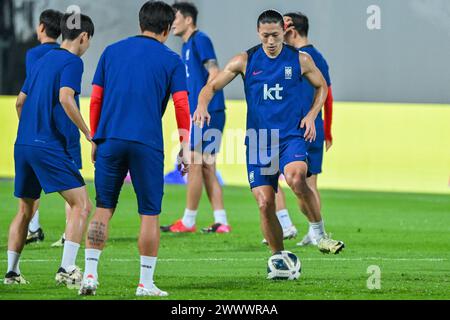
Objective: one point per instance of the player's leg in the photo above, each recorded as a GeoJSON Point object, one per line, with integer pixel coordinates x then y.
{"type": "Point", "coordinates": [211, 141]}
{"type": "Point", "coordinates": [314, 224]}
{"type": "Point", "coordinates": [80, 205]}
{"type": "Point", "coordinates": [193, 194]}
{"type": "Point", "coordinates": [215, 196]}
{"type": "Point", "coordinates": [194, 187]}
{"type": "Point", "coordinates": [16, 240]}
{"type": "Point", "coordinates": [28, 189]}
{"type": "Point", "coordinates": [295, 173]}
{"type": "Point", "coordinates": [60, 241]}
{"type": "Point", "coordinates": [270, 226]}
{"type": "Point", "coordinates": [96, 237]}
{"type": "Point", "coordinates": [111, 167]}
{"type": "Point", "coordinates": [147, 174]}
{"type": "Point", "coordinates": [289, 230]}
{"type": "Point", "coordinates": [35, 232]}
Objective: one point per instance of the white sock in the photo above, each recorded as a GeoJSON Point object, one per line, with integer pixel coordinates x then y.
{"type": "Point", "coordinates": [91, 257]}
{"type": "Point", "coordinates": [189, 218]}
{"type": "Point", "coordinates": [148, 265]}
{"type": "Point", "coordinates": [13, 261]}
{"type": "Point", "coordinates": [220, 216]}
{"type": "Point", "coordinates": [284, 218]}
{"type": "Point", "coordinates": [34, 223]}
{"type": "Point", "coordinates": [318, 229]}
{"type": "Point", "coordinates": [69, 255]}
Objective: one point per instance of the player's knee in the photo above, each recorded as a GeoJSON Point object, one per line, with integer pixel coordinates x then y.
{"type": "Point", "coordinates": [82, 209]}
{"type": "Point", "coordinates": [208, 170]}
{"type": "Point", "coordinates": [297, 182]}
{"type": "Point", "coordinates": [265, 204]}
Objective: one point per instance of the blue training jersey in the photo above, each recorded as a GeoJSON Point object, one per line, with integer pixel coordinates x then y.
{"type": "Point", "coordinates": [308, 90]}
{"type": "Point", "coordinates": [273, 92]}
{"type": "Point", "coordinates": [34, 54]}
{"type": "Point", "coordinates": [43, 121]}
{"type": "Point", "coordinates": [195, 52]}
{"type": "Point", "coordinates": [137, 74]}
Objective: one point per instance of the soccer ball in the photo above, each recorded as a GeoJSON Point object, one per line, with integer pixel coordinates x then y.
{"type": "Point", "coordinates": [284, 265]}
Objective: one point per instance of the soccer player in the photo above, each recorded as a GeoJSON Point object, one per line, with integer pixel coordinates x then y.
{"type": "Point", "coordinates": [131, 87]}
{"type": "Point", "coordinates": [49, 115]}
{"type": "Point", "coordinates": [272, 73]}
{"type": "Point", "coordinates": [48, 31]}
{"type": "Point", "coordinates": [297, 36]}
{"type": "Point", "coordinates": [201, 66]}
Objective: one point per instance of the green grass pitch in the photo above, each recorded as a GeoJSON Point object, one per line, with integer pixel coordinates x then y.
{"type": "Point", "coordinates": [406, 235]}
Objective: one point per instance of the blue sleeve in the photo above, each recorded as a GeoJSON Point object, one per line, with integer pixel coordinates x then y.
{"type": "Point", "coordinates": [205, 48]}
{"type": "Point", "coordinates": [71, 75]}
{"type": "Point", "coordinates": [99, 76]}
{"type": "Point", "coordinates": [323, 67]}
{"type": "Point", "coordinates": [26, 86]}
{"type": "Point", "coordinates": [178, 78]}
{"type": "Point", "coordinates": [29, 62]}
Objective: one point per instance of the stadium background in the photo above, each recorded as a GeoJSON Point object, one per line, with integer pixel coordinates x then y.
{"type": "Point", "coordinates": [391, 122]}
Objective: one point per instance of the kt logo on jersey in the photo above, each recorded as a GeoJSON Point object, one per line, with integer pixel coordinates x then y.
{"type": "Point", "coordinates": [272, 93]}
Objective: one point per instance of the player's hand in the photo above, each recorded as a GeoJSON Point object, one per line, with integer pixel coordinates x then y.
{"type": "Point", "coordinates": [308, 123]}
{"type": "Point", "coordinates": [328, 144]}
{"type": "Point", "coordinates": [93, 151]}
{"type": "Point", "coordinates": [183, 161]}
{"type": "Point", "coordinates": [288, 25]}
{"type": "Point", "coordinates": [200, 117]}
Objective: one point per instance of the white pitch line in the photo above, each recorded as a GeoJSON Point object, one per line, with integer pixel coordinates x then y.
{"type": "Point", "coordinates": [255, 259]}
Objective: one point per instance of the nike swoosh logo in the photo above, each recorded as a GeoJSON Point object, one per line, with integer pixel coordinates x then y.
{"type": "Point", "coordinates": [255, 73]}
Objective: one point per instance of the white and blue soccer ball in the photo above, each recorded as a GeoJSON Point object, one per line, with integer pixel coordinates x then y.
{"type": "Point", "coordinates": [284, 265]}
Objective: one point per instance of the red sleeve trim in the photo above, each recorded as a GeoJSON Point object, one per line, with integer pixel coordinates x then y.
{"type": "Point", "coordinates": [95, 107]}
{"type": "Point", "coordinates": [328, 117]}
{"type": "Point", "coordinates": [181, 102]}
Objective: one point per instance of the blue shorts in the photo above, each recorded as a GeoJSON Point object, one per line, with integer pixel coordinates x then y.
{"type": "Point", "coordinates": [208, 138]}
{"type": "Point", "coordinates": [75, 153]}
{"type": "Point", "coordinates": [42, 168]}
{"type": "Point", "coordinates": [267, 175]}
{"type": "Point", "coordinates": [315, 156]}
{"type": "Point", "coordinates": [115, 158]}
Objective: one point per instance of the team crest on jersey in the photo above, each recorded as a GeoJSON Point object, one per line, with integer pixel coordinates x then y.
{"type": "Point", "coordinates": [188, 51]}
{"type": "Point", "coordinates": [288, 73]}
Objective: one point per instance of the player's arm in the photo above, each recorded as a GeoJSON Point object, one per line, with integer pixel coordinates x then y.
{"type": "Point", "coordinates": [328, 117]}
{"type": "Point", "coordinates": [183, 117]}
{"type": "Point", "coordinates": [20, 102]}
{"type": "Point", "coordinates": [67, 100]}
{"type": "Point", "coordinates": [95, 107]}
{"type": "Point", "coordinates": [212, 67]}
{"type": "Point", "coordinates": [234, 67]}
{"type": "Point", "coordinates": [315, 77]}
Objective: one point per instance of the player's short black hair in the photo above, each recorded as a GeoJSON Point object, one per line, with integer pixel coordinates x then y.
{"type": "Point", "coordinates": [301, 23]}
{"type": "Point", "coordinates": [187, 9]}
{"type": "Point", "coordinates": [270, 16]}
{"type": "Point", "coordinates": [69, 28]}
{"type": "Point", "coordinates": [51, 19]}
{"type": "Point", "coordinates": [156, 16]}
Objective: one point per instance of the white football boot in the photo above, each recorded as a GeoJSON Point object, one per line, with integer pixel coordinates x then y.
{"type": "Point", "coordinates": [72, 279]}
{"type": "Point", "coordinates": [141, 291]}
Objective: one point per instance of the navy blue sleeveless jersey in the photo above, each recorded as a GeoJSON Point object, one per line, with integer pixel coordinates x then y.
{"type": "Point", "coordinates": [273, 90]}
